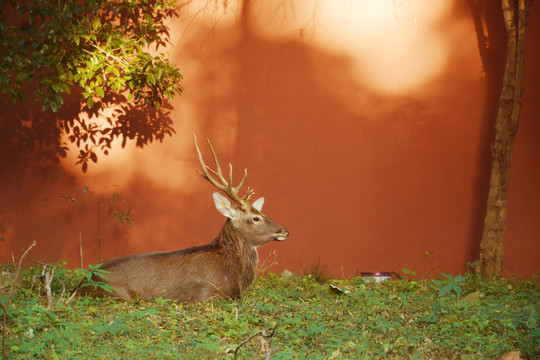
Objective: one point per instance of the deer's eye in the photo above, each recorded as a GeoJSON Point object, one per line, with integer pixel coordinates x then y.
{"type": "Point", "coordinates": [256, 219]}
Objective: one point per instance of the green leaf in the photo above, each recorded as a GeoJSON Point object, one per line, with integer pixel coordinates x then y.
{"type": "Point", "coordinates": [445, 290]}
{"type": "Point", "coordinates": [138, 315]}
{"type": "Point", "coordinates": [100, 92]}
{"type": "Point", "coordinates": [472, 298]}
{"type": "Point", "coordinates": [96, 23]}
{"type": "Point", "coordinates": [90, 102]}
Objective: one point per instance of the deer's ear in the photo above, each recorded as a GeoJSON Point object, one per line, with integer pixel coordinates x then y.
{"type": "Point", "coordinates": [223, 205]}
{"type": "Point", "coordinates": [258, 204]}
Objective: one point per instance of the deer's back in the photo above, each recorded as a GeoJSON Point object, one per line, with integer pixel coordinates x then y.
{"type": "Point", "coordinates": [189, 275]}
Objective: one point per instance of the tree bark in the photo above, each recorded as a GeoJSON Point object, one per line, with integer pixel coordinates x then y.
{"type": "Point", "coordinates": [491, 261]}
{"type": "Point", "coordinates": [490, 31]}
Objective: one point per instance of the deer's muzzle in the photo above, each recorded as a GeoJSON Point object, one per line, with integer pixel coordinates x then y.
{"type": "Point", "coordinates": [281, 235]}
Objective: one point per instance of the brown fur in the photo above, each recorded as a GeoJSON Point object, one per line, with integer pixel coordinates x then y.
{"type": "Point", "coordinates": [226, 267]}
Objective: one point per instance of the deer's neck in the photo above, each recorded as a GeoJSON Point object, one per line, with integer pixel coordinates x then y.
{"type": "Point", "coordinates": [237, 254]}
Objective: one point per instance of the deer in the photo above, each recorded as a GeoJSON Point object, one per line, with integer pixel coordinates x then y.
{"type": "Point", "coordinates": [225, 267]}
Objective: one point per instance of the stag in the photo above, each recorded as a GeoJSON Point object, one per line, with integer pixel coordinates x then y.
{"type": "Point", "coordinates": [226, 267]}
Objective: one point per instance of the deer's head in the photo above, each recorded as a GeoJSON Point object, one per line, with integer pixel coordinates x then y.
{"type": "Point", "coordinates": [254, 226]}
{"type": "Point", "coordinates": [245, 217]}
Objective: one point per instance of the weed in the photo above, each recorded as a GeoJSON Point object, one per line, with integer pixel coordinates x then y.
{"type": "Point", "coordinates": [450, 285]}
{"type": "Point", "coordinates": [97, 272]}
{"type": "Point", "coordinates": [406, 318]}
{"type": "Point", "coordinates": [318, 272]}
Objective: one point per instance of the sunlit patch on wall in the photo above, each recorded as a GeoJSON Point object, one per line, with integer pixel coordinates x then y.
{"type": "Point", "coordinates": [402, 62]}
{"type": "Point", "coordinates": [395, 45]}
{"type": "Point", "coordinates": [167, 164]}
{"type": "Point", "coordinates": [107, 164]}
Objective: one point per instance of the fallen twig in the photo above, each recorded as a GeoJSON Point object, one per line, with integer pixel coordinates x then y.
{"type": "Point", "coordinates": [271, 352]}
{"type": "Point", "coordinates": [73, 294]}
{"type": "Point", "coordinates": [268, 351]}
{"type": "Point", "coordinates": [261, 332]}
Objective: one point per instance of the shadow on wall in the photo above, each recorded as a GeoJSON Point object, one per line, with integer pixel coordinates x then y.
{"type": "Point", "coordinates": [366, 181]}
{"type": "Point", "coordinates": [36, 141]}
{"type": "Point", "coordinates": [39, 200]}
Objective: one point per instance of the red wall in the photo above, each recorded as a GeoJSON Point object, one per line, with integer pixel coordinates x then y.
{"type": "Point", "coordinates": [364, 180]}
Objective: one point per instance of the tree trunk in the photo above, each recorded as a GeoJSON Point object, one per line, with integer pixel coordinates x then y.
{"type": "Point", "coordinates": [491, 261]}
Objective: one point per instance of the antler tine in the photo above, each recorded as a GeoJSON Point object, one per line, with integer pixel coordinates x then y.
{"type": "Point", "coordinates": [250, 192]}
{"type": "Point", "coordinates": [225, 186]}
{"type": "Point", "coordinates": [218, 172]}
{"type": "Point", "coordinates": [206, 168]}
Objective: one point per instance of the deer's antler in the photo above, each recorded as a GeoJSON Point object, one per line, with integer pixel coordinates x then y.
{"type": "Point", "coordinates": [223, 184]}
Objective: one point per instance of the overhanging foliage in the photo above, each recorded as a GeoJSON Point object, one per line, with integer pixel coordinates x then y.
{"type": "Point", "coordinates": [104, 53]}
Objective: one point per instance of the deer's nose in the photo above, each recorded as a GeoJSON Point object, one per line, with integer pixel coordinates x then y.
{"type": "Point", "coordinates": [282, 235]}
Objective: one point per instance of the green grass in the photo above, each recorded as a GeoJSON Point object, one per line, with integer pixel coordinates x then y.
{"type": "Point", "coordinates": [448, 318]}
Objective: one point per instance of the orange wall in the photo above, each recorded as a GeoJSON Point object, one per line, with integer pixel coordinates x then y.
{"type": "Point", "coordinates": [365, 180]}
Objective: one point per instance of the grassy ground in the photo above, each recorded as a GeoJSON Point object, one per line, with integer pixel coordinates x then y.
{"type": "Point", "coordinates": [448, 318]}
